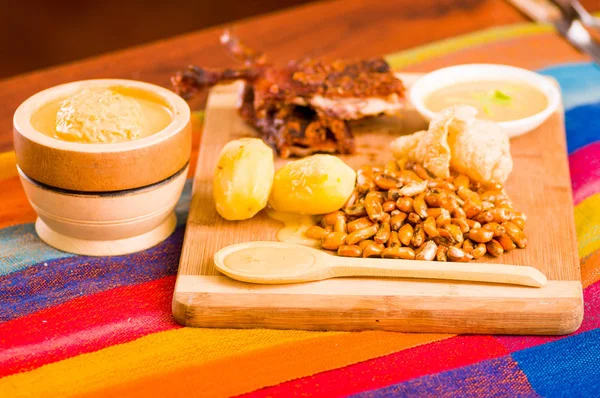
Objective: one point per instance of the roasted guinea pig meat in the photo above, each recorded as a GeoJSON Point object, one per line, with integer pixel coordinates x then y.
{"type": "Point", "coordinates": [303, 108]}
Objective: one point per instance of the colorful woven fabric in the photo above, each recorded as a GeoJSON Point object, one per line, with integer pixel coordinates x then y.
{"type": "Point", "coordinates": [74, 325]}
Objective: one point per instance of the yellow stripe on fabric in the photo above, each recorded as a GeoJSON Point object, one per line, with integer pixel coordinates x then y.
{"type": "Point", "coordinates": [587, 224]}
{"type": "Point", "coordinates": [443, 47]}
{"type": "Point", "coordinates": [270, 366]}
{"type": "Point", "coordinates": [8, 165]}
{"type": "Point", "coordinates": [147, 356]}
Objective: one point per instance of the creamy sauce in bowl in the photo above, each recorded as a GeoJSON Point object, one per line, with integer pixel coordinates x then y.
{"type": "Point", "coordinates": [497, 100]}
{"type": "Point", "coordinates": [103, 115]}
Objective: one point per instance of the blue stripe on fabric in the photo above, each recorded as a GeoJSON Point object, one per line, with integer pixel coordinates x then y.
{"type": "Point", "coordinates": [498, 377]}
{"type": "Point", "coordinates": [565, 368]}
{"type": "Point", "coordinates": [20, 246]}
{"type": "Point", "coordinates": [580, 85]}
{"type": "Point", "coordinates": [56, 281]}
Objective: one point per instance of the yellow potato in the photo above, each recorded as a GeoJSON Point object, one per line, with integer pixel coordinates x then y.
{"type": "Point", "coordinates": [243, 178]}
{"type": "Point", "coordinates": [317, 184]}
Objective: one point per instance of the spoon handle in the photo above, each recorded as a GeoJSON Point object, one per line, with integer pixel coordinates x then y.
{"type": "Point", "coordinates": [475, 272]}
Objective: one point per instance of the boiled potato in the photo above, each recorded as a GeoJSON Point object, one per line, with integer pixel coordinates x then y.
{"type": "Point", "coordinates": [243, 178]}
{"type": "Point", "coordinates": [317, 184]}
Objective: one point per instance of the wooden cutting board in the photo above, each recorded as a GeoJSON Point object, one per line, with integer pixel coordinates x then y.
{"type": "Point", "coordinates": [539, 186]}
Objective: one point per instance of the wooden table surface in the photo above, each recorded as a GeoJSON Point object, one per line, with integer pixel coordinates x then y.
{"type": "Point", "coordinates": [343, 28]}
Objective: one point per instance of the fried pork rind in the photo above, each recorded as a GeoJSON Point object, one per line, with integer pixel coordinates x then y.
{"type": "Point", "coordinates": [477, 148]}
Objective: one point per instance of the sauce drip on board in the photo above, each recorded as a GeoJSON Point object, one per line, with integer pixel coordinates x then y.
{"type": "Point", "coordinates": [294, 228]}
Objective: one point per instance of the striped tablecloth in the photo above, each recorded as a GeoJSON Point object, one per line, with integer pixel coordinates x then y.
{"type": "Point", "coordinates": [73, 325]}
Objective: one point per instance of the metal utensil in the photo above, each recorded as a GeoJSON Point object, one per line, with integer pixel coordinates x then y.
{"type": "Point", "coordinates": [564, 15]}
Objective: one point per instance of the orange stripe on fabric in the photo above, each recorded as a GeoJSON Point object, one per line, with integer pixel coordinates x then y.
{"type": "Point", "coordinates": [150, 355]}
{"type": "Point", "coordinates": [14, 207]}
{"type": "Point", "coordinates": [590, 269]}
{"type": "Point", "coordinates": [270, 366]}
{"type": "Point", "coordinates": [8, 165]}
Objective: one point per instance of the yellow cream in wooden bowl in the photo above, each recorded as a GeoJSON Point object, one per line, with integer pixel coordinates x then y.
{"type": "Point", "coordinates": [103, 115]}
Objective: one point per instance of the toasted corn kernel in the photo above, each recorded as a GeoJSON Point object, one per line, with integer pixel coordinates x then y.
{"type": "Point", "coordinates": [501, 214]}
{"type": "Point", "coordinates": [494, 248]}
{"type": "Point", "coordinates": [473, 223]}
{"type": "Point", "coordinates": [445, 237]}
{"type": "Point", "coordinates": [349, 251]}
{"type": "Point", "coordinates": [371, 249]}
{"type": "Point", "coordinates": [394, 240]}
{"type": "Point", "coordinates": [394, 212]}
{"type": "Point", "coordinates": [479, 251]}
{"type": "Point", "coordinates": [331, 218]}
{"type": "Point", "coordinates": [414, 218]}
{"type": "Point", "coordinates": [316, 232]}
{"type": "Point", "coordinates": [421, 171]}
{"type": "Point", "coordinates": [516, 234]}
{"type": "Point", "coordinates": [333, 240]}
{"type": "Point", "coordinates": [385, 219]}
{"type": "Point", "coordinates": [461, 181]}
{"type": "Point", "coordinates": [435, 198]}
{"type": "Point", "coordinates": [497, 228]}
{"type": "Point", "coordinates": [408, 176]}
{"type": "Point", "coordinates": [486, 205]}
{"type": "Point", "coordinates": [459, 213]}
{"type": "Point", "coordinates": [405, 204]}
{"type": "Point", "coordinates": [440, 255]}
{"type": "Point", "coordinates": [373, 206]}
{"type": "Point", "coordinates": [492, 195]}
{"type": "Point", "coordinates": [428, 252]}
{"type": "Point", "coordinates": [361, 234]}
{"type": "Point", "coordinates": [519, 222]}
{"type": "Point", "coordinates": [405, 253]}
{"type": "Point", "coordinates": [359, 223]}
{"type": "Point", "coordinates": [495, 186]}
{"type": "Point", "coordinates": [386, 182]}
{"type": "Point", "coordinates": [393, 194]}
{"type": "Point", "coordinates": [457, 235]}
{"type": "Point", "coordinates": [391, 167]}
{"type": "Point", "coordinates": [468, 246]}
{"type": "Point", "coordinates": [418, 236]}
{"type": "Point", "coordinates": [383, 234]}
{"type": "Point", "coordinates": [389, 206]}
{"type": "Point", "coordinates": [484, 217]}
{"type": "Point", "coordinates": [420, 206]}
{"type": "Point", "coordinates": [430, 227]}
{"type": "Point", "coordinates": [397, 220]}
{"type": "Point", "coordinates": [506, 243]}
{"type": "Point", "coordinates": [519, 214]}
{"type": "Point", "coordinates": [405, 234]}
{"type": "Point", "coordinates": [357, 210]}
{"type": "Point", "coordinates": [444, 219]}
{"type": "Point", "coordinates": [352, 199]}
{"type": "Point", "coordinates": [480, 235]}
{"type": "Point", "coordinates": [461, 223]}
{"type": "Point", "coordinates": [441, 185]}
{"type": "Point", "coordinates": [435, 212]}
{"type": "Point", "coordinates": [456, 254]}
{"type": "Point", "coordinates": [413, 188]}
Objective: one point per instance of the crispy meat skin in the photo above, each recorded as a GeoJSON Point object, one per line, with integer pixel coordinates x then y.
{"type": "Point", "coordinates": [302, 108]}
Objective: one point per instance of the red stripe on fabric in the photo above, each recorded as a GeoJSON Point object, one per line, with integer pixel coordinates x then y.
{"type": "Point", "coordinates": [86, 324]}
{"type": "Point", "coordinates": [584, 164]}
{"type": "Point", "coordinates": [391, 369]}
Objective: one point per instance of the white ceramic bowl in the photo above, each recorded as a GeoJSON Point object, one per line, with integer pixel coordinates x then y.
{"type": "Point", "coordinates": [476, 72]}
{"type": "Point", "coordinates": [105, 223]}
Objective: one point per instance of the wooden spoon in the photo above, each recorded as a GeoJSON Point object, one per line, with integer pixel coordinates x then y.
{"type": "Point", "coordinates": [278, 262]}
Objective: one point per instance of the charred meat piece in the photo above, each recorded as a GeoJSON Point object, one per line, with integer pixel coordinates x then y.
{"type": "Point", "coordinates": [302, 108]}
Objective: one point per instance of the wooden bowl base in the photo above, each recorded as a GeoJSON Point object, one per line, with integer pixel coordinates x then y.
{"type": "Point", "coordinates": [106, 247]}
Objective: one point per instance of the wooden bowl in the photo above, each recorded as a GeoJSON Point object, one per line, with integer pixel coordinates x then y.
{"type": "Point", "coordinates": [102, 167]}
{"type": "Point", "coordinates": [103, 199]}
{"type": "Point", "coordinates": [105, 223]}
